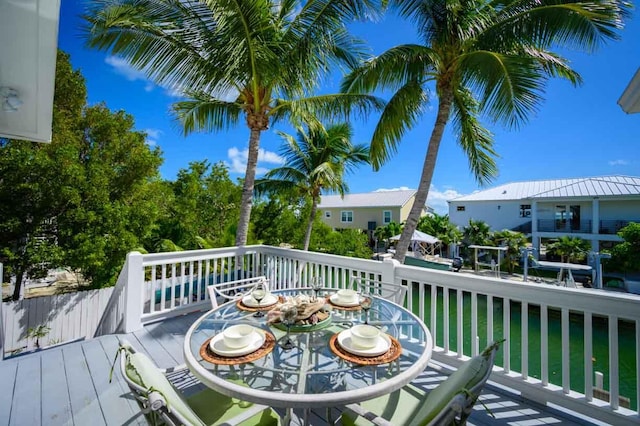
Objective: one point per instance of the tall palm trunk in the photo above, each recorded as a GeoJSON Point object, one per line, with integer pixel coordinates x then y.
{"type": "Point", "coordinates": [247, 188]}
{"type": "Point", "coordinates": [444, 110]}
{"type": "Point", "coordinates": [312, 217]}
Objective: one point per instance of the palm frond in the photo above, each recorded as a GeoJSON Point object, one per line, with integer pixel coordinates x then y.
{"type": "Point", "coordinates": [392, 69]}
{"type": "Point", "coordinates": [202, 113]}
{"type": "Point", "coordinates": [401, 113]}
{"type": "Point", "coordinates": [332, 108]}
{"type": "Point", "coordinates": [474, 139]}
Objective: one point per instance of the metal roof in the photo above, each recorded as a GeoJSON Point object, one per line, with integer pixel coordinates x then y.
{"type": "Point", "coordinates": [369, 199]}
{"type": "Point", "coordinates": [603, 186]}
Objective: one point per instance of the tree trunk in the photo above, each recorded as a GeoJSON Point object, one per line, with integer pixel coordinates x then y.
{"type": "Point", "coordinates": [444, 109]}
{"type": "Point", "coordinates": [16, 288]}
{"type": "Point", "coordinates": [312, 216]}
{"type": "Point", "coordinates": [247, 188]}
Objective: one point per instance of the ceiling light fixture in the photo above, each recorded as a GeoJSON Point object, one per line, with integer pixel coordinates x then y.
{"type": "Point", "coordinates": [10, 99]}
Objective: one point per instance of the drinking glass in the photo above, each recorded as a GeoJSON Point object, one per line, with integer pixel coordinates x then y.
{"type": "Point", "coordinates": [288, 318]}
{"type": "Point", "coordinates": [365, 304]}
{"type": "Point", "coordinates": [316, 285]}
{"type": "Point", "coordinates": [259, 292]}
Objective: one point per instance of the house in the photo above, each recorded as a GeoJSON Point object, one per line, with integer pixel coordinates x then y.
{"type": "Point", "coordinates": [594, 208]}
{"type": "Point", "coordinates": [630, 99]}
{"type": "Point", "coordinates": [29, 34]}
{"type": "Point", "coordinates": [366, 211]}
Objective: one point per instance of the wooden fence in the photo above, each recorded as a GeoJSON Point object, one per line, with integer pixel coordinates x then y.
{"type": "Point", "coordinates": [69, 317]}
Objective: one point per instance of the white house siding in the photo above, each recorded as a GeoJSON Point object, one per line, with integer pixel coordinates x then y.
{"type": "Point", "coordinates": [620, 209]}
{"type": "Point", "coordinates": [498, 215]}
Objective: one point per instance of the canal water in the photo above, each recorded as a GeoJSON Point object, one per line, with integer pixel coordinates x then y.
{"type": "Point", "coordinates": [626, 335]}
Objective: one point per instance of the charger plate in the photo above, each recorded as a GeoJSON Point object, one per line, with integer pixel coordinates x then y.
{"type": "Point", "coordinates": [208, 355]}
{"type": "Point", "coordinates": [342, 307]}
{"type": "Point", "coordinates": [394, 352]}
{"type": "Point", "coordinates": [244, 307]}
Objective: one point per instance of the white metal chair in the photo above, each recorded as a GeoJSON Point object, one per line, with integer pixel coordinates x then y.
{"type": "Point", "coordinates": [159, 399]}
{"type": "Point", "coordinates": [451, 402]}
{"type": "Point", "coordinates": [389, 291]}
{"type": "Point", "coordinates": [233, 290]}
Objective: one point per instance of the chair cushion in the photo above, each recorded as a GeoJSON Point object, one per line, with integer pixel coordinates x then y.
{"type": "Point", "coordinates": [215, 408]}
{"type": "Point", "coordinates": [411, 406]}
{"type": "Point", "coordinates": [464, 378]}
{"type": "Point", "coordinates": [144, 372]}
{"type": "Point", "coordinates": [397, 407]}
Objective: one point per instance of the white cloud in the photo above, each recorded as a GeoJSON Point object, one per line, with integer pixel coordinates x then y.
{"type": "Point", "coordinates": [122, 67]}
{"type": "Point", "coordinates": [618, 163]}
{"type": "Point", "coordinates": [437, 199]}
{"type": "Point", "coordinates": [401, 188]}
{"type": "Point", "coordinates": [239, 160]}
{"type": "Point", "coordinates": [152, 136]}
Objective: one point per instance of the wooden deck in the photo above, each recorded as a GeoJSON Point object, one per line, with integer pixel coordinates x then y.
{"type": "Point", "coordinates": [69, 385]}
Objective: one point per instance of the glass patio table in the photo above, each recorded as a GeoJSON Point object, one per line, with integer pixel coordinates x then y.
{"type": "Point", "coordinates": [311, 375]}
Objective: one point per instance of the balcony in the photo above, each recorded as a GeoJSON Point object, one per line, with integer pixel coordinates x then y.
{"type": "Point", "coordinates": [613, 226]}
{"type": "Point", "coordinates": [565, 227]}
{"type": "Point", "coordinates": [557, 338]}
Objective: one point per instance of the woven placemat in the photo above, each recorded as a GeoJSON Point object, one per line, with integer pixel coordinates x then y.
{"type": "Point", "coordinates": [392, 354]}
{"type": "Point", "coordinates": [208, 355]}
{"type": "Point", "coordinates": [344, 308]}
{"type": "Point", "coordinates": [244, 307]}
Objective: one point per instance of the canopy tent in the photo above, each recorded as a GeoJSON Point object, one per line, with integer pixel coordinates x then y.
{"type": "Point", "coordinates": [418, 239]}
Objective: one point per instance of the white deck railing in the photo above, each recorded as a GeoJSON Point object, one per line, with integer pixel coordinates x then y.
{"type": "Point", "coordinates": [166, 284]}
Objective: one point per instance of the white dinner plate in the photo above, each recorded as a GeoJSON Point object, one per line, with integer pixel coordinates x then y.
{"type": "Point", "coordinates": [217, 345]}
{"type": "Point", "coordinates": [383, 345]}
{"type": "Point", "coordinates": [335, 299]}
{"type": "Point", "coordinates": [269, 300]}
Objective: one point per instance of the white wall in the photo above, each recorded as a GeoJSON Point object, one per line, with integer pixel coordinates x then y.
{"type": "Point", "coordinates": [499, 215]}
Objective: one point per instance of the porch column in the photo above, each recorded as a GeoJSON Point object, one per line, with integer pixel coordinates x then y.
{"type": "Point", "coordinates": [595, 223]}
{"type": "Point", "coordinates": [133, 290]}
{"type": "Point", "coordinates": [535, 240]}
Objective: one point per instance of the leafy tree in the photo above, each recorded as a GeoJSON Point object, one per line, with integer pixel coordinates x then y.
{"type": "Point", "coordinates": [387, 231]}
{"type": "Point", "coordinates": [256, 58]}
{"type": "Point", "coordinates": [440, 227]}
{"type": "Point", "coordinates": [625, 256]}
{"type": "Point", "coordinates": [570, 249]}
{"type": "Point", "coordinates": [345, 242]}
{"type": "Point", "coordinates": [513, 241]}
{"type": "Point", "coordinates": [204, 202]}
{"type": "Point", "coordinates": [277, 221]}
{"type": "Point", "coordinates": [84, 200]}
{"type": "Point", "coordinates": [483, 57]}
{"type": "Point", "coordinates": [315, 163]}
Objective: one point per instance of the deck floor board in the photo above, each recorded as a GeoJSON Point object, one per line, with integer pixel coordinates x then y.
{"type": "Point", "coordinates": [71, 385]}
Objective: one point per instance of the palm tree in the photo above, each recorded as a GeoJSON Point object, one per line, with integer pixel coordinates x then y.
{"type": "Point", "coordinates": [483, 57]}
{"type": "Point", "coordinates": [257, 58]}
{"type": "Point", "coordinates": [570, 249]}
{"type": "Point", "coordinates": [514, 242]}
{"type": "Point", "coordinates": [315, 163]}
{"type": "Point", "coordinates": [440, 227]}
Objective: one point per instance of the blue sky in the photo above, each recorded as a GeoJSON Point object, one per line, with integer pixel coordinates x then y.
{"type": "Point", "coordinates": [577, 132]}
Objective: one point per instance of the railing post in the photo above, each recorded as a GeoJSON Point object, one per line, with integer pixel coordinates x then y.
{"type": "Point", "coordinates": [1, 322]}
{"type": "Point", "coordinates": [389, 270]}
{"type": "Point", "coordinates": [133, 290]}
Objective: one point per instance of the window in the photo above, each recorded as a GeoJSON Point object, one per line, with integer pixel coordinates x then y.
{"type": "Point", "coordinates": [460, 208]}
{"type": "Point", "coordinates": [525, 210]}
{"type": "Point", "coordinates": [346, 216]}
{"type": "Point", "coordinates": [386, 217]}
{"type": "Point", "coordinates": [327, 214]}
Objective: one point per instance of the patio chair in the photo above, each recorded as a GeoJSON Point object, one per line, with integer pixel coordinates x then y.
{"type": "Point", "coordinates": [451, 402]}
{"type": "Point", "coordinates": [390, 291]}
{"type": "Point", "coordinates": [159, 399]}
{"type": "Point", "coordinates": [233, 290]}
